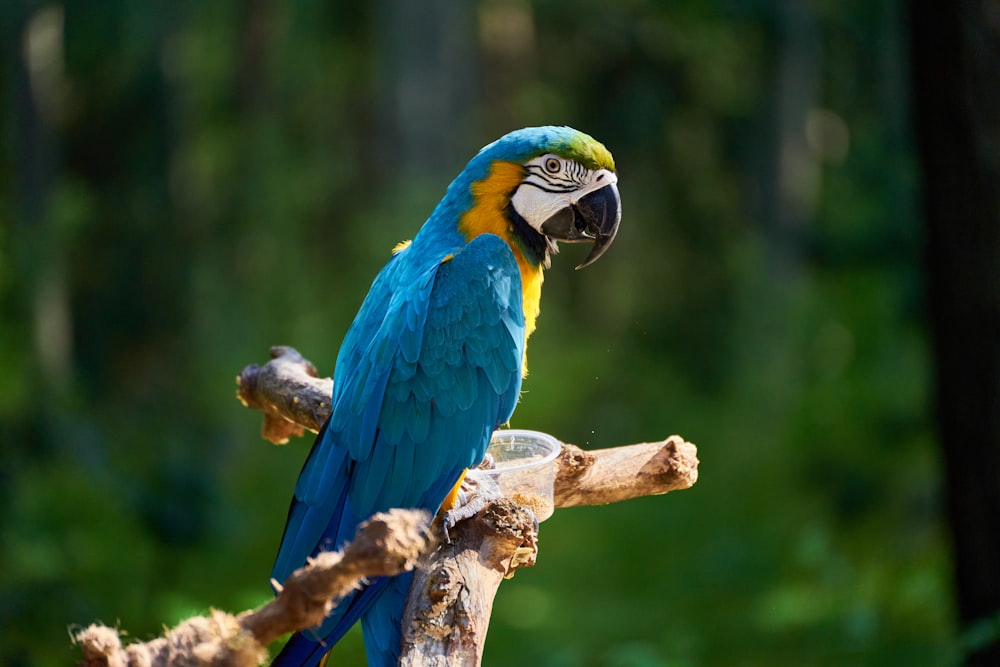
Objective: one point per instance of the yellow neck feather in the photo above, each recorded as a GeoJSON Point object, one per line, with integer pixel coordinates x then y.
{"type": "Point", "coordinates": [491, 197]}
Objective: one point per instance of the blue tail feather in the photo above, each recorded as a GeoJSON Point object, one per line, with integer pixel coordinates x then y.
{"type": "Point", "coordinates": [307, 648]}
{"type": "Point", "coordinates": [382, 623]}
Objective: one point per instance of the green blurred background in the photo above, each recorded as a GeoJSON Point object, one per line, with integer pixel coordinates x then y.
{"type": "Point", "coordinates": [187, 183]}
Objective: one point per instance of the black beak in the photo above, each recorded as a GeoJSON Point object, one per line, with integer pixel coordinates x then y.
{"type": "Point", "coordinates": [594, 217]}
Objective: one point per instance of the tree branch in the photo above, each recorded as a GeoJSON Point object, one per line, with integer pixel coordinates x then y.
{"type": "Point", "coordinates": [451, 598]}
{"type": "Point", "coordinates": [288, 392]}
{"type": "Point", "coordinates": [385, 545]}
{"type": "Point", "coordinates": [602, 476]}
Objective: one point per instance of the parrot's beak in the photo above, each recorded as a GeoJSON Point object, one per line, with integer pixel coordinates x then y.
{"type": "Point", "coordinates": [594, 217]}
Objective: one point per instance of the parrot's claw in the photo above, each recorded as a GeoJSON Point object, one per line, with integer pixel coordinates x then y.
{"type": "Point", "coordinates": [476, 493]}
{"type": "Point", "coordinates": [460, 513]}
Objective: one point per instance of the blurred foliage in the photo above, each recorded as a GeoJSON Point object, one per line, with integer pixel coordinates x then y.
{"type": "Point", "coordinates": [188, 183]}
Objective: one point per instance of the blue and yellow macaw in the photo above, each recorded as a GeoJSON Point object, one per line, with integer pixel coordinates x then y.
{"type": "Point", "coordinates": [434, 359]}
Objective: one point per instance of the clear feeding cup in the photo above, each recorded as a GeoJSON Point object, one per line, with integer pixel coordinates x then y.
{"type": "Point", "coordinates": [525, 468]}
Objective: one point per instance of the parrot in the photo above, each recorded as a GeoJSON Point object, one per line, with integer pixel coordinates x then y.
{"type": "Point", "coordinates": [434, 360]}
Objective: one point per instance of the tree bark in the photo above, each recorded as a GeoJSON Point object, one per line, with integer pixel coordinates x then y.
{"type": "Point", "coordinates": [448, 611]}
{"type": "Point", "coordinates": [956, 70]}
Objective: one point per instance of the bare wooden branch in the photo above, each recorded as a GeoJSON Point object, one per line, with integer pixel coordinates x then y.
{"type": "Point", "coordinates": [288, 391]}
{"type": "Point", "coordinates": [450, 603]}
{"type": "Point", "coordinates": [385, 545]}
{"type": "Point", "coordinates": [214, 640]}
{"type": "Point", "coordinates": [603, 476]}
{"type": "Point", "coordinates": [451, 598]}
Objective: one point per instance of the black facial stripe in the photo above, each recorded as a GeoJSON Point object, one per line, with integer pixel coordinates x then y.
{"type": "Point", "coordinates": [552, 187]}
{"type": "Point", "coordinates": [575, 173]}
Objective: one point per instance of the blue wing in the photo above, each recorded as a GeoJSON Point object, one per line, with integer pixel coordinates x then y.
{"type": "Point", "coordinates": [430, 367]}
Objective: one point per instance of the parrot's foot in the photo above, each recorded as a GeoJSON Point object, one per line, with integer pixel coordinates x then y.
{"type": "Point", "coordinates": [477, 491]}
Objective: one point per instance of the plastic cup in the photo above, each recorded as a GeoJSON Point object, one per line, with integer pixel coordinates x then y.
{"type": "Point", "coordinates": [525, 468]}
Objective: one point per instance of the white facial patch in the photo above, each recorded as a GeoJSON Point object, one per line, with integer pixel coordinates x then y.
{"type": "Point", "coordinates": [552, 184]}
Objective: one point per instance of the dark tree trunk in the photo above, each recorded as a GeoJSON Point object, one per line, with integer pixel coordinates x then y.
{"type": "Point", "coordinates": [956, 77]}
{"type": "Point", "coordinates": [427, 53]}
{"type": "Point", "coordinates": [791, 177]}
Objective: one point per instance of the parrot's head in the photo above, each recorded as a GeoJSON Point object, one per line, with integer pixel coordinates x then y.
{"type": "Point", "coordinates": [549, 184]}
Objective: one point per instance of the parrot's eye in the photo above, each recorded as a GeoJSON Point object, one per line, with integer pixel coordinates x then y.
{"type": "Point", "coordinates": [553, 165]}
